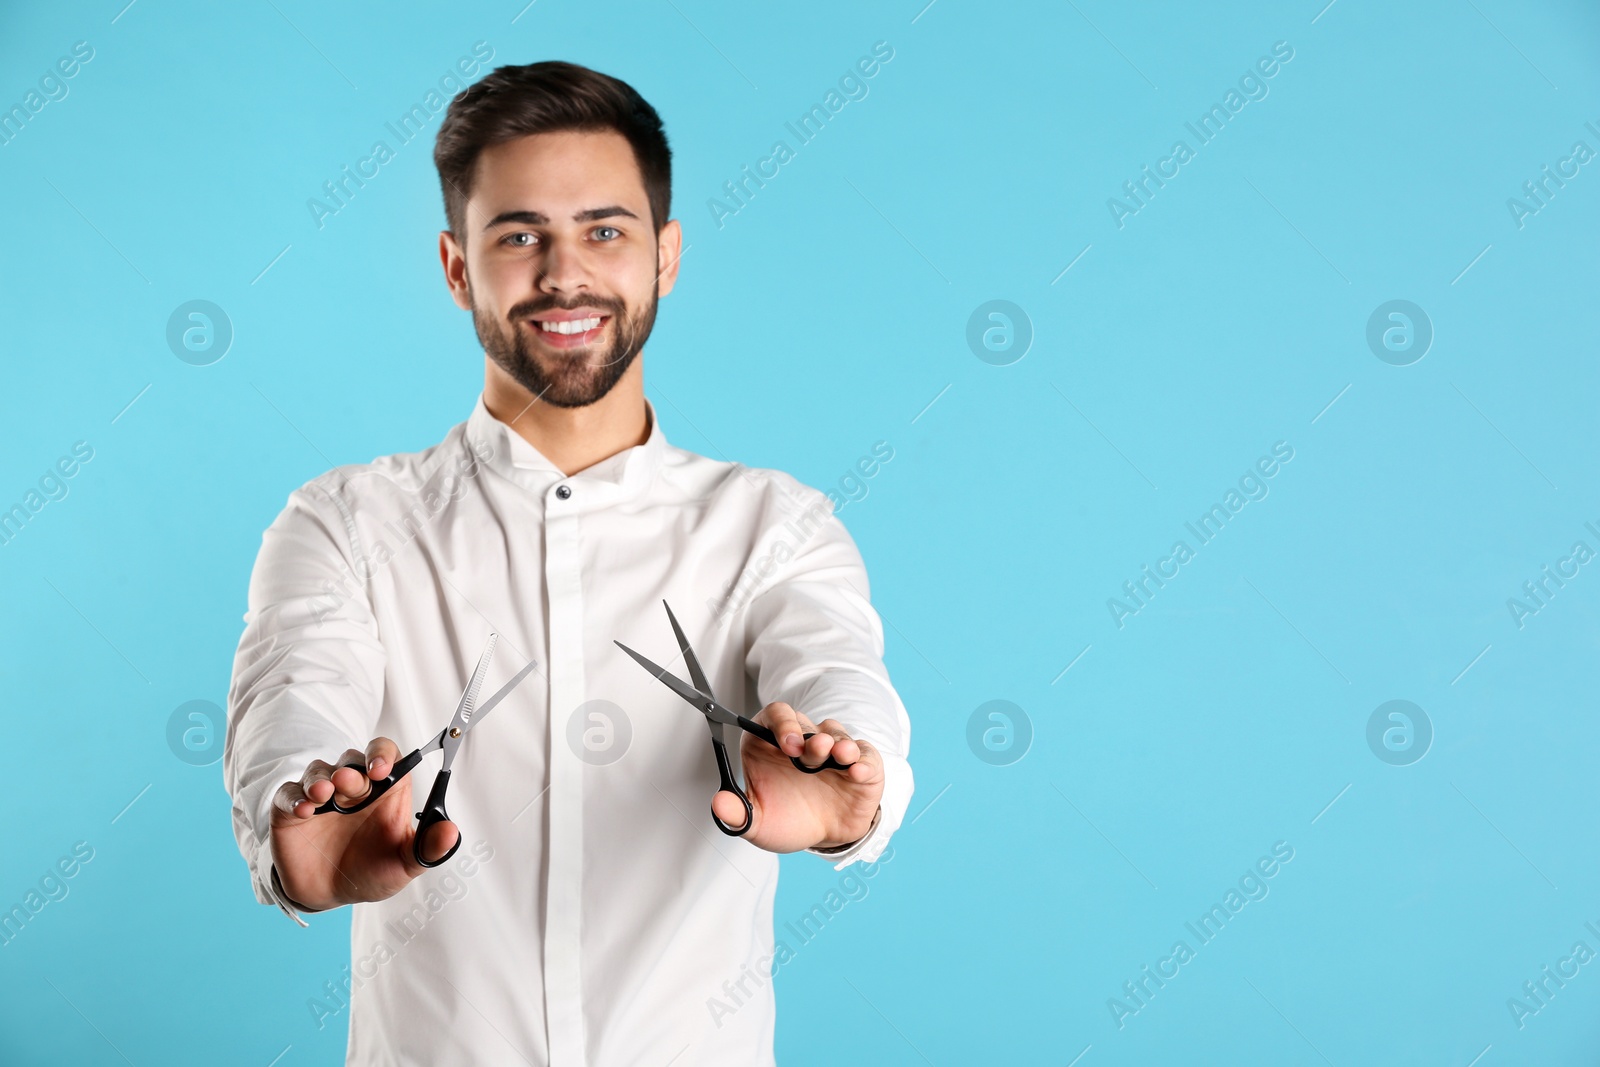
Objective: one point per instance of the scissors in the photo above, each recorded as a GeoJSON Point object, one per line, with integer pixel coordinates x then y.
{"type": "Point", "coordinates": [725, 725]}
{"type": "Point", "coordinates": [449, 739]}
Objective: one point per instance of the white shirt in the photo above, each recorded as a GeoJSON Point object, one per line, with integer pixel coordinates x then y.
{"type": "Point", "coordinates": [593, 913]}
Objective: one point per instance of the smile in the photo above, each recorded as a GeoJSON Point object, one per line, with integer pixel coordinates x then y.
{"type": "Point", "coordinates": [570, 333]}
{"type": "Point", "coordinates": [572, 325]}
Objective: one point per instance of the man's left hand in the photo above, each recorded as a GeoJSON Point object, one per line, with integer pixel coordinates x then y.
{"type": "Point", "coordinates": [791, 810]}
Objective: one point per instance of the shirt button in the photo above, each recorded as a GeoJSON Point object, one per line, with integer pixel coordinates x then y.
{"type": "Point", "coordinates": [563, 491]}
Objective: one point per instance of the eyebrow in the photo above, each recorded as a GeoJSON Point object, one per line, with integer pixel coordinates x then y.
{"type": "Point", "coordinates": [535, 218]}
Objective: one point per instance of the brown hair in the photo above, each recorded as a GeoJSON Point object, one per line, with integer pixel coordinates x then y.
{"type": "Point", "coordinates": [512, 102]}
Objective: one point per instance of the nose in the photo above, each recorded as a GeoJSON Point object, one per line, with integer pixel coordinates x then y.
{"type": "Point", "coordinates": [562, 268]}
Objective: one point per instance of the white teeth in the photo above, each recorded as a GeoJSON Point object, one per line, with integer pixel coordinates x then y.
{"type": "Point", "coordinates": [571, 325]}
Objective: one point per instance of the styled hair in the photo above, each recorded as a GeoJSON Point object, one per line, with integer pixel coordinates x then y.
{"type": "Point", "coordinates": [517, 101]}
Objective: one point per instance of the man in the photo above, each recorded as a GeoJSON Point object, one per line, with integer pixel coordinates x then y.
{"type": "Point", "coordinates": [596, 911]}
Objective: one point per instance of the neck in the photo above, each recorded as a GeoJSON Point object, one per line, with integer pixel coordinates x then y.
{"type": "Point", "coordinates": [572, 438]}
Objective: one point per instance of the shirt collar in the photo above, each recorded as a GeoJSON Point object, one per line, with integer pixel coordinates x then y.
{"type": "Point", "coordinates": [630, 470]}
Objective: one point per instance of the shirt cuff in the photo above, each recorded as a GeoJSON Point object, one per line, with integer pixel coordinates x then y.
{"type": "Point", "coordinates": [848, 853]}
{"type": "Point", "coordinates": [273, 886]}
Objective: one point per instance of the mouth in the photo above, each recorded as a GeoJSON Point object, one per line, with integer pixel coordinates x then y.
{"type": "Point", "coordinates": [569, 333]}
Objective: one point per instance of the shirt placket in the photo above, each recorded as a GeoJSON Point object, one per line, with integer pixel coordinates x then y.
{"type": "Point", "coordinates": [563, 896]}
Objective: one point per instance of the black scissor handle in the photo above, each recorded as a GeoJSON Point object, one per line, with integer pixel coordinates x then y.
{"type": "Point", "coordinates": [379, 787]}
{"type": "Point", "coordinates": [829, 764]}
{"type": "Point", "coordinates": [731, 784]}
{"type": "Point", "coordinates": [432, 814]}
{"type": "Point", "coordinates": [766, 734]}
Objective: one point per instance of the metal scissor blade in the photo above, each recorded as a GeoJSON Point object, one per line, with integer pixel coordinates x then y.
{"type": "Point", "coordinates": [479, 715]}
{"type": "Point", "coordinates": [696, 675]}
{"type": "Point", "coordinates": [503, 692]}
{"type": "Point", "coordinates": [703, 702]}
{"type": "Point", "coordinates": [462, 720]}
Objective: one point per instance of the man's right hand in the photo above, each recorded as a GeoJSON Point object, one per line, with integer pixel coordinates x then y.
{"type": "Point", "coordinates": [328, 860]}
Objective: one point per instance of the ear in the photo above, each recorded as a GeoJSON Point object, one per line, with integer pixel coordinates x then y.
{"type": "Point", "coordinates": [669, 249]}
{"type": "Point", "coordinates": [454, 260]}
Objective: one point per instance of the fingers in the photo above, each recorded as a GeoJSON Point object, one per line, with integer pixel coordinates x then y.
{"type": "Point", "coordinates": [323, 780]}
{"type": "Point", "coordinates": [381, 756]}
{"type": "Point", "coordinates": [829, 738]}
{"type": "Point", "coordinates": [862, 762]}
{"type": "Point", "coordinates": [791, 726]}
{"type": "Point", "coordinates": [379, 759]}
{"type": "Point", "coordinates": [350, 785]}
{"type": "Point", "coordinates": [787, 725]}
{"type": "Point", "coordinates": [290, 803]}
{"type": "Point", "coordinates": [317, 782]}
{"type": "Point", "coordinates": [868, 765]}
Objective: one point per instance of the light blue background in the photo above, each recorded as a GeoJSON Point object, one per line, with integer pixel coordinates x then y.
{"type": "Point", "coordinates": [823, 317]}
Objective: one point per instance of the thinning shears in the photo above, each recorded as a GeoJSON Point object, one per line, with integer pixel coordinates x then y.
{"type": "Point", "coordinates": [467, 715]}
{"type": "Point", "coordinates": [725, 725]}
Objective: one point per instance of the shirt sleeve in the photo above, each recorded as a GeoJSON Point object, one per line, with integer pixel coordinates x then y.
{"type": "Point", "coordinates": [816, 643]}
{"type": "Point", "coordinates": [308, 674]}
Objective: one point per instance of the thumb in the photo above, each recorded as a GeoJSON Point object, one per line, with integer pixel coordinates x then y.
{"type": "Point", "coordinates": [433, 841]}
{"type": "Point", "coordinates": [727, 807]}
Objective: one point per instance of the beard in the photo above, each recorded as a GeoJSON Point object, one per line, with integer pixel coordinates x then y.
{"type": "Point", "coordinates": [567, 378]}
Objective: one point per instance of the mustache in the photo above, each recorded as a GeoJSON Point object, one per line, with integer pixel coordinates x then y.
{"type": "Point", "coordinates": [529, 308]}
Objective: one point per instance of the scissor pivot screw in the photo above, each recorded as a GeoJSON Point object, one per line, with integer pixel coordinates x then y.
{"type": "Point", "coordinates": [455, 731]}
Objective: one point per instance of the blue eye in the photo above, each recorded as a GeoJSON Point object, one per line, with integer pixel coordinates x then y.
{"type": "Point", "coordinates": [511, 239]}
{"type": "Point", "coordinates": [613, 229]}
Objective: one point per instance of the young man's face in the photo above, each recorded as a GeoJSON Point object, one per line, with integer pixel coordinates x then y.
{"type": "Point", "coordinates": [558, 231]}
